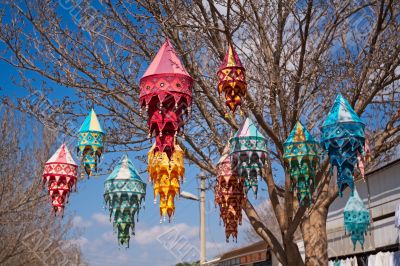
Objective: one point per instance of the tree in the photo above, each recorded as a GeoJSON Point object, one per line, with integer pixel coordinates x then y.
{"type": "Point", "coordinates": [298, 56]}
{"type": "Point", "coordinates": [28, 233]}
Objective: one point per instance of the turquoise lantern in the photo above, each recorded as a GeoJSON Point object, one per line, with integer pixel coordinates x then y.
{"type": "Point", "coordinates": [124, 193]}
{"type": "Point", "coordinates": [248, 153]}
{"type": "Point", "coordinates": [90, 144]}
{"type": "Point", "coordinates": [301, 153]}
{"type": "Point", "coordinates": [343, 139]}
{"type": "Point", "coordinates": [356, 219]}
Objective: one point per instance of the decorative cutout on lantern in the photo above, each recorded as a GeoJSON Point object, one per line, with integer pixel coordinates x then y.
{"type": "Point", "coordinates": [343, 138]}
{"type": "Point", "coordinates": [166, 175]}
{"type": "Point", "coordinates": [90, 143]}
{"type": "Point", "coordinates": [232, 79]}
{"type": "Point", "coordinates": [248, 151]}
{"type": "Point", "coordinates": [229, 195]}
{"type": "Point", "coordinates": [60, 174]}
{"type": "Point", "coordinates": [302, 156]}
{"type": "Point", "coordinates": [124, 192]}
{"type": "Point", "coordinates": [356, 219]}
{"type": "Point", "coordinates": [166, 94]}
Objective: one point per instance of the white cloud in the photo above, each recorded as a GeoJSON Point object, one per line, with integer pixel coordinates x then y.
{"type": "Point", "coordinates": [101, 218]}
{"type": "Point", "coordinates": [81, 241]}
{"type": "Point", "coordinates": [79, 222]}
{"type": "Point", "coordinates": [155, 233]}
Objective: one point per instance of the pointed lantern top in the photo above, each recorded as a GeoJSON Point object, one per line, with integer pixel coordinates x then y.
{"type": "Point", "coordinates": [248, 129]}
{"type": "Point", "coordinates": [91, 123]}
{"type": "Point", "coordinates": [299, 134]}
{"type": "Point", "coordinates": [166, 62]}
{"type": "Point", "coordinates": [355, 203]}
{"type": "Point", "coordinates": [125, 170]}
{"type": "Point", "coordinates": [341, 112]}
{"type": "Point", "coordinates": [231, 59]}
{"type": "Point", "coordinates": [62, 156]}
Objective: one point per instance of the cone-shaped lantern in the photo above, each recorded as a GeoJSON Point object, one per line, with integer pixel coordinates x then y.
{"type": "Point", "coordinates": [232, 79]}
{"type": "Point", "coordinates": [90, 143]}
{"type": "Point", "coordinates": [356, 219]}
{"type": "Point", "coordinates": [302, 157]}
{"type": "Point", "coordinates": [343, 139]}
{"type": "Point", "coordinates": [248, 151]}
{"type": "Point", "coordinates": [124, 192]}
{"type": "Point", "coordinates": [229, 195]}
{"type": "Point", "coordinates": [60, 174]}
{"type": "Point", "coordinates": [166, 175]}
{"type": "Point", "coordinates": [166, 94]}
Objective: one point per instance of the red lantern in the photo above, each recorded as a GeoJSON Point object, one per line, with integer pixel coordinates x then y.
{"type": "Point", "coordinates": [229, 195]}
{"type": "Point", "coordinates": [166, 94]}
{"type": "Point", "coordinates": [60, 174]}
{"type": "Point", "coordinates": [232, 79]}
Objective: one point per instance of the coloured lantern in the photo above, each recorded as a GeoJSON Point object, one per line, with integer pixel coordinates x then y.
{"type": "Point", "coordinates": [343, 138]}
{"type": "Point", "coordinates": [90, 143]}
{"type": "Point", "coordinates": [248, 153]}
{"type": "Point", "coordinates": [166, 94]}
{"type": "Point", "coordinates": [302, 157]}
{"type": "Point", "coordinates": [356, 219]}
{"type": "Point", "coordinates": [60, 174]}
{"type": "Point", "coordinates": [229, 195]}
{"type": "Point", "coordinates": [232, 79]}
{"type": "Point", "coordinates": [166, 175]}
{"type": "Point", "coordinates": [124, 193]}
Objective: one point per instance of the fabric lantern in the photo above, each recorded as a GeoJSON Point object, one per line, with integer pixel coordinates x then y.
{"type": "Point", "coordinates": [124, 193]}
{"type": "Point", "coordinates": [356, 219]}
{"type": "Point", "coordinates": [248, 151]}
{"type": "Point", "coordinates": [166, 95]}
{"type": "Point", "coordinates": [229, 195]}
{"type": "Point", "coordinates": [302, 157]}
{"type": "Point", "coordinates": [343, 138]}
{"type": "Point", "coordinates": [90, 144]}
{"type": "Point", "coordinates": [166, 175]}
{"type": "Point", "coordinates": [232, 79]}
{"type": "Point", "coordinates": [60, 174]}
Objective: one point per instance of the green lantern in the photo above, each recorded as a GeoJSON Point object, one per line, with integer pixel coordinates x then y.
{"type": "Point", "coordinates": [124, 192]}
{"type": "Point", "coordinates": [248, 151]}
{"type": "Point", "coordinates": [301, 155]}
{"type": "Point", "coordinates": [90, 144]}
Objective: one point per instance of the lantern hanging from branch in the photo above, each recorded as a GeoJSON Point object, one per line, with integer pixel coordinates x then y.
{"type": "Point", "coordinates": [229, 195]}
{"type": "Point", "coordinates": [90, 143]}
{"type": "Point", "coordinates": [166, 95]}
{"type": "Point", "coordinates": [302, 157]}
{"type": "Point", "coordinates": [343, 138]}
{"type": "Point", "coordinates": [124, 193]}
{"type": "Point", "coordinates": [356, 219]}
{"type": "Point", "coordinates": [232, 79]}
{"type": "Point", "coordinates": [166, 175]}
{"type": "Point", "coordinates": [248, 154]}
{"type": "Point", "coordinates": [60, 174]}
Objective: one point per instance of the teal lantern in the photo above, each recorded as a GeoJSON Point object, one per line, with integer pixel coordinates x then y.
{"type": "Point", "coordinates": [356, 219]}
{"type": "Point", "coordinates": [90, 144]}
{"type": "Point", "coordinates": [124, 192]}
{"type": "Point", "coordinates": [343, 139]}
{"type": "Point", "coordinates": [248, 153]}
{"type": "Point", "coordinates": [302, 158]}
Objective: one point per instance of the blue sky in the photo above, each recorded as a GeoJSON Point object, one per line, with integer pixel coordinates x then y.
{"type": "Point", "coordinates": [98, 241]}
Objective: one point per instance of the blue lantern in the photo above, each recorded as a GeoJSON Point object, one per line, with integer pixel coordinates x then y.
{"type": "Point", "coordinates": [356, 219]}
{"type": "Point", "coordinates": [343, 138]}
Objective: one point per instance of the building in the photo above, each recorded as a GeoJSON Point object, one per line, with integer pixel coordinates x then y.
{"type": "Point", "coordinates": [256, 254]}
{"type": "Point", "coordinates": [382, 184]}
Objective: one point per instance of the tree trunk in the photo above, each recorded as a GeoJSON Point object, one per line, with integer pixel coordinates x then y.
{"type": "Point", "coordinates": [315, 238]}
{"type": "Point", "coordinates": [293, 254]}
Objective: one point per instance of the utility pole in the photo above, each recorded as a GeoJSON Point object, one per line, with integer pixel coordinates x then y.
{"type": "Point", "coordinates": [202, 218]}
